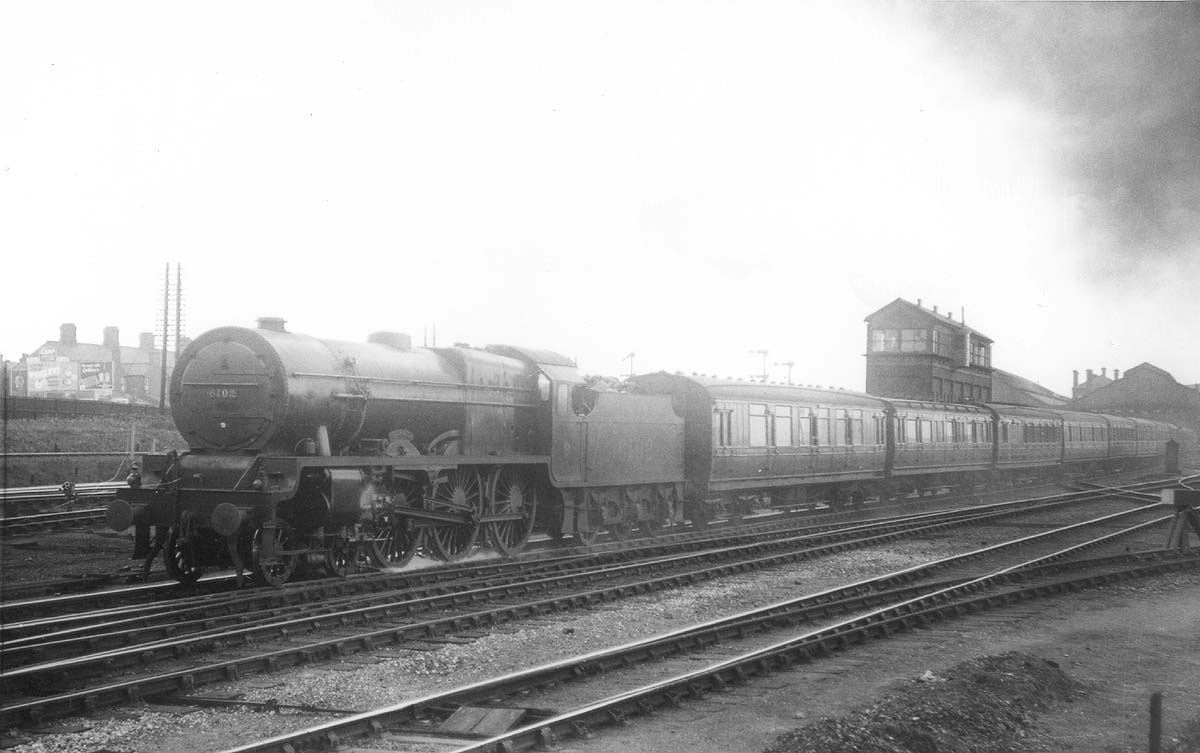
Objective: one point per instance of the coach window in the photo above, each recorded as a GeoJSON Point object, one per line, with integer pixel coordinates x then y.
{"type": "Point", "coordinates": [880, 428]}
{"type": "Point", "coordinates": [804, 427]}
{"type": "Point", "coordinates": [783, 426]}
{"type": "Point", "coordinates": [822, 433]}
{"type": "Point", "coordinates": [724, 426]}
{"type": "Point", "coordinates": [758, 425]}
{"type": "Point", "coordinates": [911, 430]}
{"type": "Point", "coordinates": [841, 426]}
{"type": "Point", "coordinates": [856, 427]}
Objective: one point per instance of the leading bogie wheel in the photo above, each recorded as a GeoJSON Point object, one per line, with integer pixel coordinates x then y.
{"type": "Point", "coordinates": [179, 557]}
{"type": "Point", "coordinates": [511, 492]}
{"type": "Point", "coordinates": [458, 491]}
{"type": "Point", "coordinates": [394, 544]}
{"type": "Point", "coordinates": [339, 557]}
{"type": "Point", "coordinates": [275, 570]}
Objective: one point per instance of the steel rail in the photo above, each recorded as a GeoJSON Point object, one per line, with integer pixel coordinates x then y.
{"type": "Point", "coordinates": [956, 601]}
{"type": "Point", "coordinates": [185, 680]}
{"type": "Point", "coordinates": [14, 613]}
{"type": "Point", "coordinates": [716, 677]}
{"type": "Point", "coordinates": [22, 524]}
{"type": "Point", "coordinates": [124, 633]}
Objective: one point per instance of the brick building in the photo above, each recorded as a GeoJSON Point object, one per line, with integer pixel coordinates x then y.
{"type": "Point", "coordinates": [1145, 391]}
{"type": "Point", "coordinates": [921, 354]}
{"type": "Point", "coordinates": [67, 368]}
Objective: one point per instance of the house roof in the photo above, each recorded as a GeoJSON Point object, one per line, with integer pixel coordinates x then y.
{"type": "Point", "coordinates": [1016, 390]}
{"type": "Point", "coordinates": [907, 307]}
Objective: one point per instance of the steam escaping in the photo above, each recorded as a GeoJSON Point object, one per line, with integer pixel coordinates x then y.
{"type": "Point", "coordinates": [1120, 82]}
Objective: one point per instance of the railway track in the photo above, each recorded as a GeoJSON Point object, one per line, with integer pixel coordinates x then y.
{"type": "Point", "coordinates": [49, 521]}
{"type": "Point", "coordinates": [92, 650]}
{"type": "Point", "coordinates": [20, 593]}
{"type": "Point", "coordinates": [41, 609]}
{"type": "Point", "coordinates": [500, 715]}
{"type": "Point", "coordinates": [28, 500]}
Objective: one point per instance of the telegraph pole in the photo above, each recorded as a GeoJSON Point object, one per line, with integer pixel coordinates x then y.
{"type": "Point", "coordinates": [630, 359]}
{"type": "Point", "coordinates": [162, 382]}
{"type": "Point", "coordinates": [178, 307]}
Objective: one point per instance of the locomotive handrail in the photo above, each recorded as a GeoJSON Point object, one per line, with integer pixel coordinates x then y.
{"type": "Point", "coordinates": [419, 382]}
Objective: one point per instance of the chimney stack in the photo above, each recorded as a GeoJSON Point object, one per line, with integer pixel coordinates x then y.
{"type": "Point", "coordinates": [112, 337]}
{"type": "Point", "coordinates": [1090, 374]}
{"type": "Point", "coordinates": [1076, 374]}
{"type": "Point", "coordinates": [1116, 374]}
{"type": "Point", "coordinates": [146, 341]}
{"type": "Point", "coordinates": [66, 334]}
{"type": "Point", "coordinates": [1104, 371]}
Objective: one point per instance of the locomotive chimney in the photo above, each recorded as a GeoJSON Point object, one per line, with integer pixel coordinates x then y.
{"type": "Point", "coordinates": [273, 323]}
{"type": "Point", "coordinates": [66, 334]}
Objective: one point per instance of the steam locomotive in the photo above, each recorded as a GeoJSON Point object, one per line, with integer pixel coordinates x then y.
{"type": "Point", "coordinates": [316, 452]}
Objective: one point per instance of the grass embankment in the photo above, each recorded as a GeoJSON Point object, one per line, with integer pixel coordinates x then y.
{"type": "Point", "coordinates": [81, 434]}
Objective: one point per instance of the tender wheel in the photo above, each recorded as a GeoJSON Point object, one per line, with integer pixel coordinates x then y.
{"type": "Point", "coordinates": [619, 520]}
{"type": "Point", "coordinates": [339, 558]}
{"type": "Point", "coordinates": [510, 492]}
{"type": "Point", "coordinates": [589, 519]}
{"type": "Point", "coordinates": [276, 570]}
{"type": "Point", "coordinates": [459, 491]}
{"type": "Point", "coordinates": [394, 545]}
{"type": "Point", "coordinates": [179, 557]}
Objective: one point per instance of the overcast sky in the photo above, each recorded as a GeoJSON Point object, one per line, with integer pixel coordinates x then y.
{"type": "Point", "coordinates": [687, 181]}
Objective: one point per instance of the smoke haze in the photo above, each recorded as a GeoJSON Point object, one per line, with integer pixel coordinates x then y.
{"type": "Point", "coordinates": [1121, 81]}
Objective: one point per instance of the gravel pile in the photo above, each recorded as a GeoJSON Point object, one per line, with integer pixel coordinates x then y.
{"type": "Point", "coordinates": [986, 705]}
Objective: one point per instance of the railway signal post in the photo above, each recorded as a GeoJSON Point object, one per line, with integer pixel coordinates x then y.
{"type": "Point", "coordinates": [1186, 516]}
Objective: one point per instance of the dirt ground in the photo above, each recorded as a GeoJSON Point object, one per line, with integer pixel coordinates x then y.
{"type": "Point", "coordinates": [1121, 644]}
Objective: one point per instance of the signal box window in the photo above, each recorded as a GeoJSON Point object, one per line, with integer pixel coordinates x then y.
{"type": "Point", "coordinates": [941, 342]}
{"type": "Point", "coordinates": [758, 425]}
{"type": "Point", "coordinates": [914, 340]}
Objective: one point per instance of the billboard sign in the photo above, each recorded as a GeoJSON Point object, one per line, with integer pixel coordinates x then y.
{"type": "Point", "coordinates": [58, 375]}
